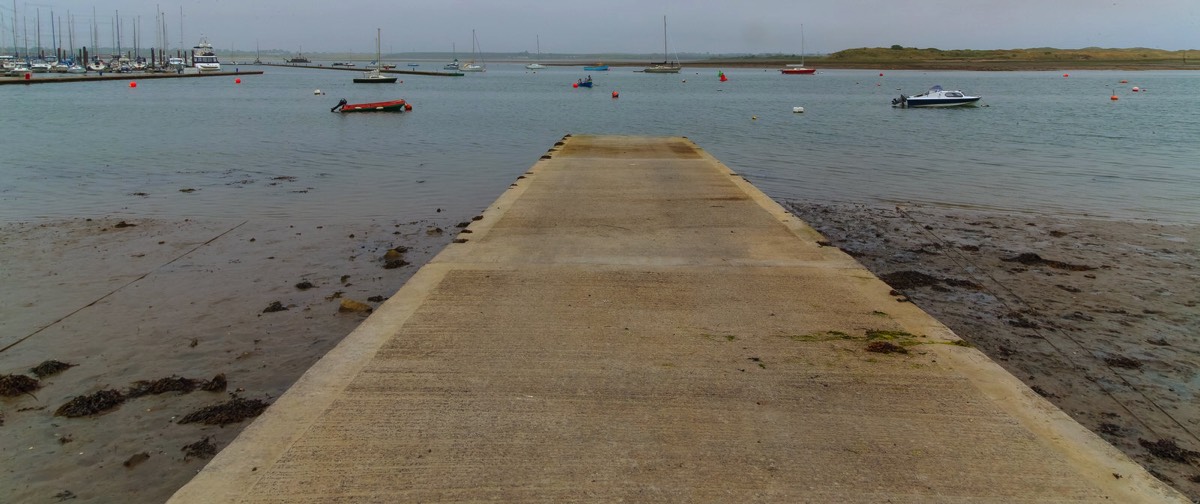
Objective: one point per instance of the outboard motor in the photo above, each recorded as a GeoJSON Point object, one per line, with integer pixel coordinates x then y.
{"type": "Point", "coordinates": [341, 103]}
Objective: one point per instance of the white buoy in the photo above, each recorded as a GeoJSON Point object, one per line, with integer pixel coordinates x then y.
{"type": "Point", "coordinates": [317, 92]}
{"type": "Point", "coordinates": [798, 110]}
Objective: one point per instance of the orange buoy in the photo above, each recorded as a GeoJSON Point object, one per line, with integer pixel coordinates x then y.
{"type": "Point", "coordinates": [132, 84]}
{"type": "Point", "coordinates": [616, 94]}
{"type": "Point", "coordinates": [237, 81]}
{"type": "Point", "coordinates": [1114, 98]}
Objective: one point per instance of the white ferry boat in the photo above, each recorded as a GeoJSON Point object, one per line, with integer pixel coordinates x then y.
{"type": "Point", "coordinates": [203, 57]}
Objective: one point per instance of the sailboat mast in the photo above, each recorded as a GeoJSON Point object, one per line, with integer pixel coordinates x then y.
{"type": "Point", "coordinates": [665, 56]}
{"type": "Point", "coordinates": [802, 44]}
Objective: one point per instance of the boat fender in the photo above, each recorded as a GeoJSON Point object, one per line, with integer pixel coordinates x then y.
{"type": "Point", "coordinates": [341, 103]}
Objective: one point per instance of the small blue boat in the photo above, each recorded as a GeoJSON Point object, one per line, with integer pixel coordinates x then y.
{"type": "Point", "coordinates": [596, 68]}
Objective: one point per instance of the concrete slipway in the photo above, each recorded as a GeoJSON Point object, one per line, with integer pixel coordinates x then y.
{"type": "Point", "coordinates": [631, 321]}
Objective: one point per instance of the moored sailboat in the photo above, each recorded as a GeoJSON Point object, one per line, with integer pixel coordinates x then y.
{"type": "Point", "coordinates": [667, 66]}
{"type": "Point", "coordinates": [471, 66]}
{"type": "Point", "coordinates": [374, 76]}
{"type": "Point", "coordinates": [800, 69]}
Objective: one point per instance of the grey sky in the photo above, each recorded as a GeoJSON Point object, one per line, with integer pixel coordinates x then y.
{"type": "Point", "coordinates": [635, 26]}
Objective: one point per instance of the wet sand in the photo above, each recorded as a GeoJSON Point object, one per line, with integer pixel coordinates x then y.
{"type": "Point", "coordinates": [1098, 316]}
{"type": "Point", "coordinates": [187, 300]}
{"type": "Point", "coordinates": [1102, 322]}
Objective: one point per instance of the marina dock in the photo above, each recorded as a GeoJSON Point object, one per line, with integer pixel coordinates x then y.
{"type": "Point", "coordinates": [633, 321]}
{"type": "Point", "coordinates": [355, 69]}
{"type": "Point", "coordinates": [35, 79]}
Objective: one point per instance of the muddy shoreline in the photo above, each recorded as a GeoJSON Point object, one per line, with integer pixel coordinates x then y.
{"type": "Point", "coordinates": [171, 336]}
{"type": "Point", "coordinates": [1098, 316]}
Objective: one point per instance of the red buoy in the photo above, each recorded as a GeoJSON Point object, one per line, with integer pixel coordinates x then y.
{"type": "Point", "coordinates": [1066, 75]}
{"type": "Point", "coordinates": [881, 74]}
{"type": "Point", "coordinates": [574, 84]}
{"type": "Point", "coordinates": [407, 106]}
{"type": "Point", "coordinates": [237, 81]}
{"type": "Point", "coordinates": [132, 84]}
{"type": "Point", "coordinates": [616, 94]}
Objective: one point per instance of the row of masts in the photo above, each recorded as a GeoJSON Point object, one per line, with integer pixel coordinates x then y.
{"type": "Point", "coordinates": [60, 50]}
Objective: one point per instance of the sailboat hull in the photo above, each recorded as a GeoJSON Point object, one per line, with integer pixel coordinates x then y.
{"type": "Point", "coordinates": [798, 71]}
{"type": "Point", "coordinates": [375, 80]}
{"type": "Point", "coordinates": [663, 69]}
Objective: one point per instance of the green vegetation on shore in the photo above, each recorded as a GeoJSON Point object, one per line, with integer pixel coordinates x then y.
{"type": "Point", "coordinates": [1039, 58]}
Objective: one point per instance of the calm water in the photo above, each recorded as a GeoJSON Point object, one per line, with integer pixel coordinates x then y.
{"type": "Point", "coordinates": [270, 148]}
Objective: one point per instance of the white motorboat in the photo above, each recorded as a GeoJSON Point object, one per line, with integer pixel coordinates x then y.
{"type": "Point", "coordinates": [936, 97]}
{"type": "Point", "coordinates": [176, 64]}
{"type": "Point", "coordinates": [203, 57]}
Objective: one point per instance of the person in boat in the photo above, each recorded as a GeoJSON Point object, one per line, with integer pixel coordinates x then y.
{"type": "Point", "coordinates": [589, 79]}
{"type": "Point", "coordinates": [341, 103]}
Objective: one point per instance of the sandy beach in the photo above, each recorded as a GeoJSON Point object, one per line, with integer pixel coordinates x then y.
{"type": "Point", "coordinates": [1098, 316]}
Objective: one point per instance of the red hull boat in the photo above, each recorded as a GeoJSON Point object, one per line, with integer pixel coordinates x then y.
{"type": "Point", "coordinates": [384, 106]}
{"type": "Point", "coordinates": [798, 71]}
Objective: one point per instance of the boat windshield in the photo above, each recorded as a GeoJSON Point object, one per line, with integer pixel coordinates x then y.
{"type": "Point", "coordinates": [954, 94]}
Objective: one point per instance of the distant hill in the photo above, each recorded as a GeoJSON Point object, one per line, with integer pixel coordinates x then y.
{"type": "Point", "coordinates": [1038, 58]}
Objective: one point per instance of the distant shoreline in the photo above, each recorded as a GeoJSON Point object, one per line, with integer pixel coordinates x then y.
{"type": "Point", "coordinates": [982, 65]}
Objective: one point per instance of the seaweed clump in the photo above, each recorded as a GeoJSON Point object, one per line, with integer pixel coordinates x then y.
{"type": "Point", "coordinates": [1167, 449]}
{"type": "Point", "coordinates": [231, 411]}
{"type": "Point", "coordinates": [885, 347]}
{"type": "Point", "coordinates": [88, 405]}
{"type": "Point", "coordinates": [201, 449]}
{"type": "Point", "coordinates": [50, 368]}
{"type": "Point", "coordinates": [162, 386]}
{"type": "Point", "coordinates": [12, 385]}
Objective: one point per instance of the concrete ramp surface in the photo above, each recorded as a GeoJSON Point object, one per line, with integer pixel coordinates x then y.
{"type": "Point", "coordinates": [633, 322]}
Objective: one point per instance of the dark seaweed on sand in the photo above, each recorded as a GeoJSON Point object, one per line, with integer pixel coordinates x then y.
{"type": "Point", "coordinates": [201, 449]}
{"type": "Point", "coordinates": [99, 402]}
{"type": "Point", "coordinates": [12, 385]}
{"type": "Point", "coordinates": [161, 386]}
{"type": "Point", "coordinates": [50, 368]}
{"type": "Point", "coordinates": [1167, 449]}
{"type": "Point", "coordinates": [176, 384]}
{"type": "Point", "coordinates": [231, 411]}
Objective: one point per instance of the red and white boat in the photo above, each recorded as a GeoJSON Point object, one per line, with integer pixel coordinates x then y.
{"type": "Point", "coordinates": [797, 70]}
{"type": "Point", "coordinates": [383, 106]}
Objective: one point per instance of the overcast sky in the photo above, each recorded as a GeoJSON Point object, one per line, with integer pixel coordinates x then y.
{"type": "Point", "coordinates": [631, 26]}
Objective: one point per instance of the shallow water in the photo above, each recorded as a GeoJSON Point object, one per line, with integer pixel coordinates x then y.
{"type": "Point", "coordinates": [268, 147]}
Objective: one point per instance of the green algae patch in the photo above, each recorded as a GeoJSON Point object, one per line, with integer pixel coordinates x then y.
{"type": "Point", "coordinates": [820, 336]}
{"type": "Point", "coordinates": [885, 335]}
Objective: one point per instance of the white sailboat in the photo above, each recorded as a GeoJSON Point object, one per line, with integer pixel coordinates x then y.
{"type": "Point", "coordinates": [471, 66]}
{"type": "Point", "coordinates": [374, 76]}
{"type": "Point", "coordinates": [453, 65]}
{"type": "Point", "coordinates": [666, 66]}
{"type": "Point", "coordinates": [537, 65]}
